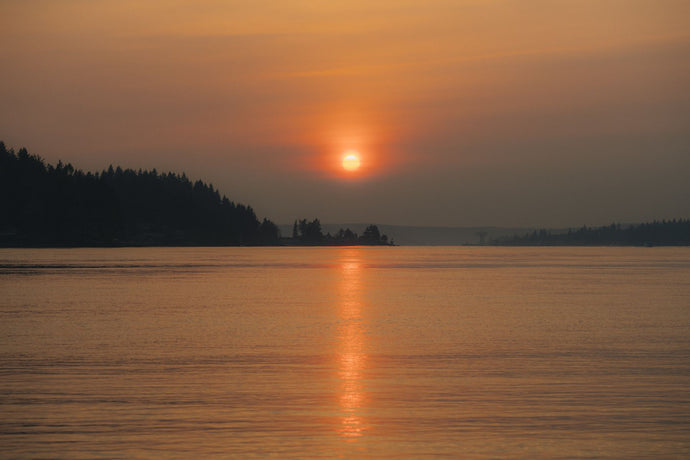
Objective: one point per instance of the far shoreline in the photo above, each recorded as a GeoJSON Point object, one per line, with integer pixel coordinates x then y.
{"type": "Point", "coordinates": [336, 245]}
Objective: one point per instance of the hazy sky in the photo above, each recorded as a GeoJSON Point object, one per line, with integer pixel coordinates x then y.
{"type": "Point", "coordinates": [465, 112]}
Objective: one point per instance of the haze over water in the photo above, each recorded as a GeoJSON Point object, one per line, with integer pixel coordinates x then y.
{"type": "Point", "coordinates": [471, 352]}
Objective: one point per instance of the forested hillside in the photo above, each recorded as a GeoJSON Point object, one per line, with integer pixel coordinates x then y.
{"type": "Point", "coordinates": [674, 232]}
{"type": "Point", "coordinates": [46, 205]}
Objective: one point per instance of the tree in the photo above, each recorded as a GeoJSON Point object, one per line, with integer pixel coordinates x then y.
{"type": "Point", "coordinates": [371, 235]}
{"type": "Point", "coordinates": [310, 232]}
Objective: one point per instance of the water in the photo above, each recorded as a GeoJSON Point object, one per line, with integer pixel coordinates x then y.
{"type": "Point", "coordinates": [345, 352]}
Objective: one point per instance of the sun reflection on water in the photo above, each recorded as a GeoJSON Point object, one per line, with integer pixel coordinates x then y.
{"type": "Point", "coordinates": [351, 347]}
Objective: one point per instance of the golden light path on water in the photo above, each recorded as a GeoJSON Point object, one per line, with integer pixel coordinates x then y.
{"type": "Point", "coordinates": [352, 355]}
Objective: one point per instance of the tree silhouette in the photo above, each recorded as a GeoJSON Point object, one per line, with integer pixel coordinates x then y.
{"type": "Point", "coordinates": [310, 233]}
{"type": "Point", "coordinates": [371, 235]}
{"type": "Point", "coordinates": [675, 232]}
{"type": "Point", "coordinates": [45, 205]}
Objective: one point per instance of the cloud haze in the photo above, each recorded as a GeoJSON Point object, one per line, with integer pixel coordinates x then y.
{"type": "Point", "coordinates": [465, 112]}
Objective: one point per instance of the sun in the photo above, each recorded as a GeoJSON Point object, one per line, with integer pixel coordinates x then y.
{"type": "Point", "coordinates": [351, 161]}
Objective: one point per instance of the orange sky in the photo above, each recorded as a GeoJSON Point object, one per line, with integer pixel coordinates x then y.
{"type": "Point", "coordinates": [484, 112]}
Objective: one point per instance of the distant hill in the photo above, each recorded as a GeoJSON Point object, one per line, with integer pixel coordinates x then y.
{"type": "Point", "coordinates": [674, 232]}
{"type": "Point", "coordinates": [46, 205]}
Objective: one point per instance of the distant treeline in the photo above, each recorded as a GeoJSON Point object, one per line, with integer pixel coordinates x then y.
{"type": "Point", "coordinates": [674, 232]}
{"type": "Point", "coordinates": [310, 233]}
{"type": "Point", "coordinates": [45, 205]}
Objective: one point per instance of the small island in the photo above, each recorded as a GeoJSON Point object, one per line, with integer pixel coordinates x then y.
{"type": "Point", "coordinates": [305, 233]}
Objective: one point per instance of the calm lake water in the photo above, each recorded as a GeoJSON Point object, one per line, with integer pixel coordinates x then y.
{"type": "Point", "coordinates": [405, 352]}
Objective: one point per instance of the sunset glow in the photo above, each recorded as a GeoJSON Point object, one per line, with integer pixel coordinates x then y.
{"type": "Point", "coordinates": [351, 161]}
{"type": "Point", "coordinates": [345, 229]}
{"type": "Point", "coordinates": [477, 99]}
